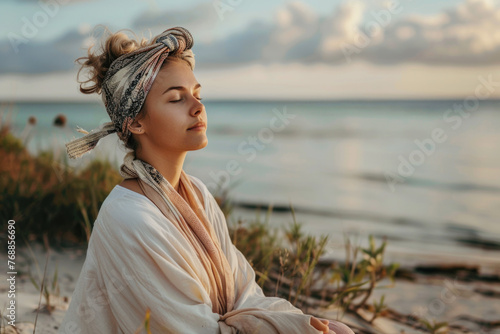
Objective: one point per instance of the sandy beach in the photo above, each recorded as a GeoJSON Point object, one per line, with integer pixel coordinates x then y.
{"type": "Point", "coordinates": [468, 300]}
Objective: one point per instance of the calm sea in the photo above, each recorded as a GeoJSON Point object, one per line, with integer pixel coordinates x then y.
{"type": "Point", "coordinates": [424, 174]}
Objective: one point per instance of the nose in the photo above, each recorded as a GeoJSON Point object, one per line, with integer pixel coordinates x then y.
{"type": "Point", "coordinates": [197, 107]}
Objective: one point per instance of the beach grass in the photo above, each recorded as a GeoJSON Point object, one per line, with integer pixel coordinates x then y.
{"type": "Point", "coordinates": [46, 195]}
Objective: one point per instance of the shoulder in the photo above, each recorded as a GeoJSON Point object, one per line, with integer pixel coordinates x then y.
{"type": "Point", "coordinates": [132, 184]}
{"type": "Point", "coordinates": [127, 211]}
{"type": "Point", "coordinates": [121, 199]}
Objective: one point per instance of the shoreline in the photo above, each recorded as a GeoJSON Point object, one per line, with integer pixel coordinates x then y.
{"type": "Point", "coordinates": [400, 248]}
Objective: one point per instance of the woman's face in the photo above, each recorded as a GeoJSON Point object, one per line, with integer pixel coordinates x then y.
{"type": "Point", "coordinates": [172, 107]}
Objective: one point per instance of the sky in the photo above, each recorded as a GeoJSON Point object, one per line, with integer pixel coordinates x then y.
{"type": "Point", "coordinates": [268, 50]}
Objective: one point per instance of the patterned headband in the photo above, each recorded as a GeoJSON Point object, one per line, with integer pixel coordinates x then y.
{"type": "Point", "coordinates": [126, 85]}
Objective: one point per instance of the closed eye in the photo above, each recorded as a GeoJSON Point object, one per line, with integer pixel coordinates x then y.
{"type": "Point", "coordinates": [199, 99]}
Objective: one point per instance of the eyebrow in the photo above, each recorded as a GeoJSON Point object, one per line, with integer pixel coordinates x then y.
{"type": "Point", "coordinates": [180, 88]}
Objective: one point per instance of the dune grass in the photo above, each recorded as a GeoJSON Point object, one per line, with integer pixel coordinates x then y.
{"type": "Point", "coordinates": [46, 195]}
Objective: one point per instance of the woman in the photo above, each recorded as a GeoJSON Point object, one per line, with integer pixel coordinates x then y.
{"type": "Point", "coordinates": [160, 241]}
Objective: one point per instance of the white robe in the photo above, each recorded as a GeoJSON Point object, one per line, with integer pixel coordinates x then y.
{"type": "Point", "coordinates": [137, 259]}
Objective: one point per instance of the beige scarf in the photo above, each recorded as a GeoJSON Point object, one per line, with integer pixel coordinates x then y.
{"type": "Point", "coordinates": [186, 212]}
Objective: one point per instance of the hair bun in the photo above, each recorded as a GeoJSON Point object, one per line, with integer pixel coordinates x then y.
{"type": "Point", "coordinates": [117, 44]}
{"type": "Point", "coordinates": [98, 62]}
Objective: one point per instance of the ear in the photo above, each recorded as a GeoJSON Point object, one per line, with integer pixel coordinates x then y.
{"type": "Point", "coordinates": [137, 127]}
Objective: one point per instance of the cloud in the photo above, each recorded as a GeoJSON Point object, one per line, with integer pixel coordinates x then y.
{"type": "Point", "coordinates": [467, 34]}
{"type": "Point", "coordinates": [339, 28]}
{"type": "Point", "coordinates": [22, 53]}
{"type": "Point", "coordinates": [295, 25]}
{"type": "Point", "coordinates": [291, 36]}
{"type": "Point", "coordinates": [41, 57]}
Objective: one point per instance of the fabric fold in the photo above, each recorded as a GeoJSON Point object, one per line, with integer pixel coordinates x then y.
{"type": "Point", "coordinates": [185, 211]}
{"type": "Point", "coordinates": [137, 259]}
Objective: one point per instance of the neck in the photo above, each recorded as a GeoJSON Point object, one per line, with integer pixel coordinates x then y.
{"type": "Point", "coordinates": [169, 164]}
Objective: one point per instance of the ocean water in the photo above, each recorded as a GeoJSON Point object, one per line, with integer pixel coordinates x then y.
{"type": "Point", "coordinates": [422, 174]}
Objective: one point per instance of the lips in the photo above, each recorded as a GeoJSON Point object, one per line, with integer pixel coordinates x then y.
{"type": "Point", "coordinates": [198, 125]}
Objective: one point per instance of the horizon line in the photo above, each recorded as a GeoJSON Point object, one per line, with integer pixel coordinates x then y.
{"type": "Point", "coordinates": [382, 99]}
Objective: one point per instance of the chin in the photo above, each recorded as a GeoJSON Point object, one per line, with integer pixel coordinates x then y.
{"type": "Point", "coordinates": [199, 146]}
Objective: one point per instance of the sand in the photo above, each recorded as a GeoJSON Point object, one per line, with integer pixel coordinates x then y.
{"type": "Point", "coordinates": [443, 299]}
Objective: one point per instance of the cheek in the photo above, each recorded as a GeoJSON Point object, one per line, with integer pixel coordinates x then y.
{"type": "Point", "coordinates": [169, 124]}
